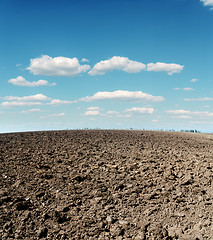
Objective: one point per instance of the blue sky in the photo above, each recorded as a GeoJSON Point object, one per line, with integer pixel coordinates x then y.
{"type": "Point", "coordinates": [143, 64]}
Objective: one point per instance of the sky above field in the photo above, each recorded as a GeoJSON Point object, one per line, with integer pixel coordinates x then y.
{"type": "Point", "coordinates": [115, 64]}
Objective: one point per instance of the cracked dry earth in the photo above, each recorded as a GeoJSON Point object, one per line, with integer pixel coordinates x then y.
{"type": "Point", "coordinates": [106, 184]}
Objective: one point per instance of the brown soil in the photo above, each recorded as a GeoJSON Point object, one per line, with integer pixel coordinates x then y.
{"type": "Point", "coordinates": [106, 184]}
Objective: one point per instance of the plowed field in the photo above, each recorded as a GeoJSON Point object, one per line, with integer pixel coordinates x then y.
{"type": "Point", "coordinates": [106, 184]}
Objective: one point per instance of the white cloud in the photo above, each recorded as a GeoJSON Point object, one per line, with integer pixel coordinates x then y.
{"type": "Point", "coordinates": [188, 89]}
{"type": "Point", "coordinates": [123, 96]}
{"type": "Point", "coordinates": [54, 115]}
{"type": "Point", "coordinates": [184, 89]}
{"type": "Point", "coordinates": [155, 120]}
{"type": "Point", "coordinates": [58, 66]}
{"type": "Point", "coordinates": [201, 122]}
{"type": "Point", "coordinates": [58, 115]}
{"type": "Point", "coordinates": [93, 108]}
{"type": "Point", "coordinates": [170, 68]}
{"type": "Point", "coordinates": [183, 116]}
{"type": "Point", "coordinates": [84, 60]}
{"type": "Point", "coordinates": [19, 104]}
{"type": "Point", "coordinates": [36, 97]}
{"type": "Point", "coordinates": [59, 102]}
{"type": "Point", "coordinates": [32, 100]}
{"type": "Point", "coordinates": [178, 111]}
{"type": "Point", "coordinates": [92, 113]}
{"type": "Point", "coordinates": [20, 81]}
{"type": "Point", "coordinates": [31, 110]}
{"type": "Point", "coordinates": [112, 112]}
{"type": "Point", "coordinates": [117, 63]}
{"type": "Point", "coordinates": [200, 99]}
{"type": "Point", "coordinates": [190, 113]}
{"type": "Point", "coordinates": [207, 2]}
{"type": "Point", "coordinates": [125, 116]}
{"type": "Point", "coordinates": [142, 110]}
{"type": "Point", "coordinates": [194, 80]}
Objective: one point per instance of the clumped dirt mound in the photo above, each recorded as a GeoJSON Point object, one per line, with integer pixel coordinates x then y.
{"type": "Point", "coordinates": [106, 185]}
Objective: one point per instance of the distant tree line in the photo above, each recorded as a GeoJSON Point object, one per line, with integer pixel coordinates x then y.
{"type": "Point", "coordinates": [192, 130]}
{"type": "Point", "coordinates": [170, 130]}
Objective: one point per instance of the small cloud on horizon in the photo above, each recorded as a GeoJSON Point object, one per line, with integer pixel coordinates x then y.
{"type": "Point", "coordinates": [59, 102]}
{"type": "Point", "coordinates": [84, 60]}
{"type": "Point", "coordinates": [93, 108]}
{"type": "Point", "coordinates": [20, 104]}
{"type": "Point", "coordinates": [31, 110]}
{"type": "Point", "coordinates": [188, 89]}
{"type": "Point", "coordinates": [36, 97]}
{"type": "Point", "coordinates": [201, 99]}
{"type": "Point", "coordinates": [170, 68]}
{"type": "Point", "coordinates": [20, 81]}
{"type": "Point", "coordinates": [194, 80]}
{"type": "Point", "coordinates": [187, 114]}
{"type": "Point", "coordinates": [184, 89]}
{"type": "Point", "coordinates": [92, 113]}
{"type": "Point", "coordinates": [142, 110]}
{"type": "Point", "coordinates": [123, 96]}
{"type": "Point", "coordinates": [54, 115]}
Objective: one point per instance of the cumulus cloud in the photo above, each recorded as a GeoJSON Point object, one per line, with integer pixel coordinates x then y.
{"type": "Point", "coordinates": [92, 113]}
{"type": "Point", "coordinates": [190, 113]}
{"type": "Point", "coordinates": [58, 66]}
{"type": "Point", "coordinates": [19, 104]}
{"type": "Point", "coordinates": [123, 96]}
{"type": "Point", "coordinates": [31, 110]}
{"type": "Point", "coordinates": [170, 68]}
{"type": "Point", "coordinates": [199, 99]}
{"type": "Point", "coordinates": [59, 102]}
{"type": "Point", "coordinates": [142, 110]}
{"type": "Point", "coordinates": [36, 97]}
{"type": "Point", "coordinates": [117, 63]}
{"type": "Point", "coordinates": [31, 100]}
{"type": "Point", "coordinates": [20, 81]}
{"type": "Point", "coordinates": [207, 2]}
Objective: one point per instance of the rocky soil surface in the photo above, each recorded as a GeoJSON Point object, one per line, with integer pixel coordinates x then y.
{"type": "Point", "coordinates": [106, 184]}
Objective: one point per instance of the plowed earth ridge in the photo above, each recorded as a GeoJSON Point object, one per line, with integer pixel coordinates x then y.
{"type": "Point", "coordinates": [106, 184]}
